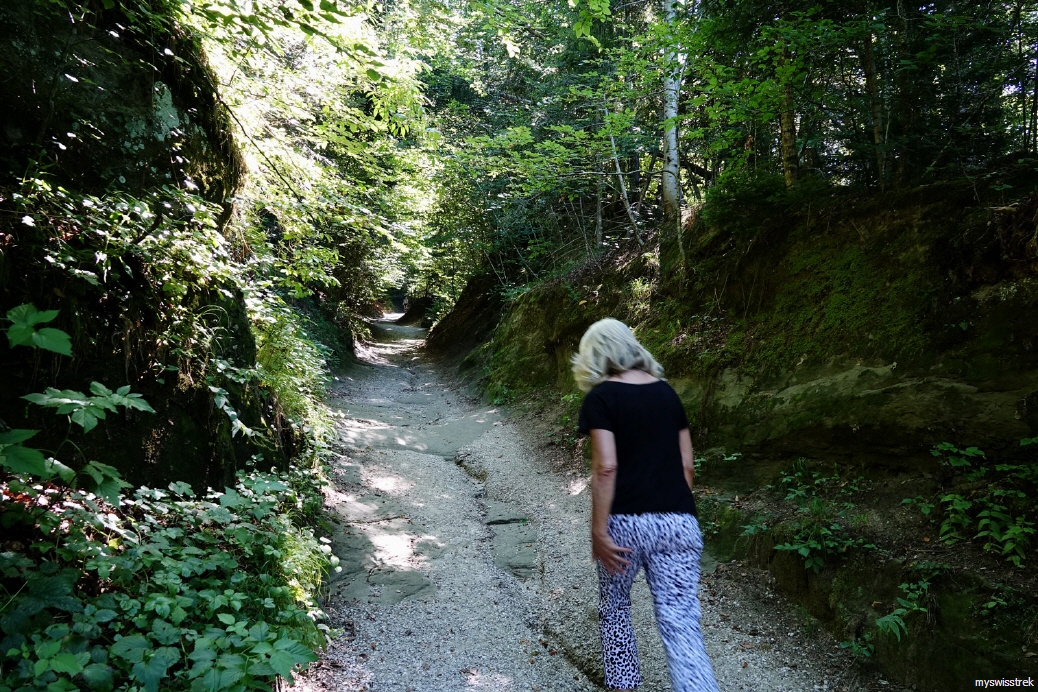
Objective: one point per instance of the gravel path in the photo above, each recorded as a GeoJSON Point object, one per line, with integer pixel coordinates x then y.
{"type": "Point", "coordinates": [466, 560]}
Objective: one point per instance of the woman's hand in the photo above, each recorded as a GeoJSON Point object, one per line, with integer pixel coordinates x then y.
{"type": "Point", "coordinates": [609, 553]}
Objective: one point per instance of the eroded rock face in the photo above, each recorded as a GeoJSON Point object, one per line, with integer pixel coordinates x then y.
{"type": "Point", "coordinates": [847, 409]}
{"type": "Point", "coordinates": [103, 104]}
{"type": "Point", "coordinates": [100, 102]}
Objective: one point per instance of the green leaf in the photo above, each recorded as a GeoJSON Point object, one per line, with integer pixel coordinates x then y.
{"type": "Point", "coordinates": [131, 648]}
{"type": "Point", "coordinates": [55, 340]}
{"type": "Point", "coordinates": [231, 498]}
{"type": "Point", "coordinates": [135, 402]}
{"type": "Point", "coordinates": [27, 314]}
{"type": "Point", "coordinates": [87, 419]}
{"type": "Point", "coordinates": [164, 632]}
{"type": "Point", "coordinates": [48, 649]}
{"type": "Point", "coordinates": [56, 468]}
{"type": "Point", "coordinates": [287, 653]}
{"type": "Point", "coordinates": [373, 75]}
{"type": "Point", "coordinates": [98, 676]}
{"type": "Point", "coordinates": [105, 615]}
{"type": "Point", "coordinates": [99, 389]}
{"type": "Point", "coordinates": [13, 437]}
{"type": "Point", "coordinates": [22, 331]}
{"type": "Point", "coordinates": [24, 460]}
{"type": "Point", "coordinates": [69, 663]}
{"type": "Point", "coordinates": [20, 335]}
{"type": "Point", "coordinates": [225, 618]}
{"type": "Point", "coordinates": [154, 670]}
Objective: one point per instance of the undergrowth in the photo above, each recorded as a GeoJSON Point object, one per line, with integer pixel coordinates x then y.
{"type": "Point", "coordinates": [824, 526]}
{"type": "Point", "coordinates": [994, 503]}
{"type": "Point", "coordinates": [104, 587]}
{"type": "Point", "coordinates": [163, 590]}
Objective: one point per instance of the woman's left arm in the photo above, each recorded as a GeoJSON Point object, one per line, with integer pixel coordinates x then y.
{"type": "Point", "coordinates": [688, 460]}
{"type": "Point", "coordinates": [603, 488]}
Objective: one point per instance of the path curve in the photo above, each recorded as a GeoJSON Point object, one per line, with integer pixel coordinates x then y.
{"type": "Point", "coordinates": [465, 558]}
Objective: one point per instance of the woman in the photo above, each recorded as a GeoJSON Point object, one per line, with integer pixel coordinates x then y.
{"type": "Point", "coordinates": [642, 510]}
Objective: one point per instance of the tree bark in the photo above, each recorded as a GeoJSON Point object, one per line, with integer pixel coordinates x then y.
{"type": "Point", "coordinates": [906, 101]}
{"type": "Point", "coordinates": [671, 181]}
{"type": "Point", "coordinates": [868, 64]}
{"type": "Point", "coordinates": [1034, 106]}
{"type": "Point", "coordinates": [634, 164]}
{"type": "Point", "coordinates": [623, 193]}
{"type": "Point", "coordinates": [598, 211]}
{"type": "Point", "coordinates": [788, 131]}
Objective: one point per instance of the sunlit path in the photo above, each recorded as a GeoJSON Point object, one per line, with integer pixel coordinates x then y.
{"type": "Point", "coordinates": [423, 601]}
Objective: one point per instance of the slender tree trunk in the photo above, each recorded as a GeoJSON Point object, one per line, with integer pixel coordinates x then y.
{"type": "Point", "coordinates": [644, 192]}
{"type": "Point", "coordinates": [623, 193]}
{"type": "Point", "coordinates": [788, 131]}
{"type": "Point", "coordinates": [598, 211]}
{"type": "Point", "coordinates": [906, 101]}
{"type": "Point", "coordinates": [671, 181]}
{"type": "Point", "coordinates": [1034, 106]}
{"type": "Point", "coordinates": [868, 64]}
{"type": "Point", "coordinates": [635, 163]}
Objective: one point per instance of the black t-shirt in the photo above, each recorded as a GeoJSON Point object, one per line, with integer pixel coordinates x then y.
{"type": "Point", "coordinates": [645, 420]}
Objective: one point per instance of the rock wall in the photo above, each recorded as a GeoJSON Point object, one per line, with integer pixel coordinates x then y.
{"type": "Point", "coordinates": [112, 101]}
{"type": "Point", "coordinates": [101, 102]}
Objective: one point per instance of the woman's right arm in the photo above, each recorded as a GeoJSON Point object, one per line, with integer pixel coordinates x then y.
{"type": "Point", "coordinates": [688, 460]}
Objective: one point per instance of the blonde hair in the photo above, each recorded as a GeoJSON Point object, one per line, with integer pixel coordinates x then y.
{"type": "Point", "coordinates": [608, 348]}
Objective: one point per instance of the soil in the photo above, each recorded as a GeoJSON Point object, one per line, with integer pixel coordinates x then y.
{"type": "Point", "coordinates": [463, 540]}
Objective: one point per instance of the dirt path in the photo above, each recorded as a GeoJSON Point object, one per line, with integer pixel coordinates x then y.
{"type": "Point", "coordinates": [465, 559]}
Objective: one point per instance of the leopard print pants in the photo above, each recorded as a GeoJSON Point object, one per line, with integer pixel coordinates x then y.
{"type": "Point", "coordinates": [668, 547]}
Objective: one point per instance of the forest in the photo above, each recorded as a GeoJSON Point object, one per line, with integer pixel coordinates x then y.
{"type": "Point", "coordinates": [820, 215]}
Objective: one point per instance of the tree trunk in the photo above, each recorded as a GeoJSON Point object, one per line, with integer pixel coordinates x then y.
{"type": "Point", "coordinates": [1034, 107]}
{"type": "Point", "coordinates": [598, 211]}
{"type": "Point", "coordinates": [788, 131]}
{"type": "Point", "coordinates": [623, 193]}
{"type": "Point", "coordinates": [670, 183]}
{"type": "Point", "coordinates": [868, 64]}
{"type": "Point", "coordinates": [906, 101]}
{"type": "Point", "coordinates": [643, 193]}
{"type": "Point", "coordinates": [635, 166]}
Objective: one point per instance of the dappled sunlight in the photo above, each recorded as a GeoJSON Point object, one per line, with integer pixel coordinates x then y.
{"type": "Point", "coordinates": [393, 341]}
{"type": "Point", "coordinates": [478, 680]}
{"type": "Point", "coordinates": [391, 549]}
{"type": "Point", "coordinates": [390, 483]}
{"type": "Point", "coordinates": [578, 486]}
{"type": "Point", "coordinates": [355, 509]}
{"type": "Point", "coordinates": [409, 442]}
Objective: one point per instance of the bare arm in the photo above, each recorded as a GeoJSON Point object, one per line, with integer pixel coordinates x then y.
{"type": "Point", "coordinates": [603, 488]}
{"type": "Point", "coordinates": [688, 460]}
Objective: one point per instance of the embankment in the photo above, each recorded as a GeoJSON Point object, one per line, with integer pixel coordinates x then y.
{"type": "Point", "coordinates": [854, 331]}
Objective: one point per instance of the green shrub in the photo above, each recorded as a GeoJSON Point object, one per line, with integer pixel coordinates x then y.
{"type": "Point", "coordinates": [164, 590]}
{"type": "Point", "coordinates": [996, 511]}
